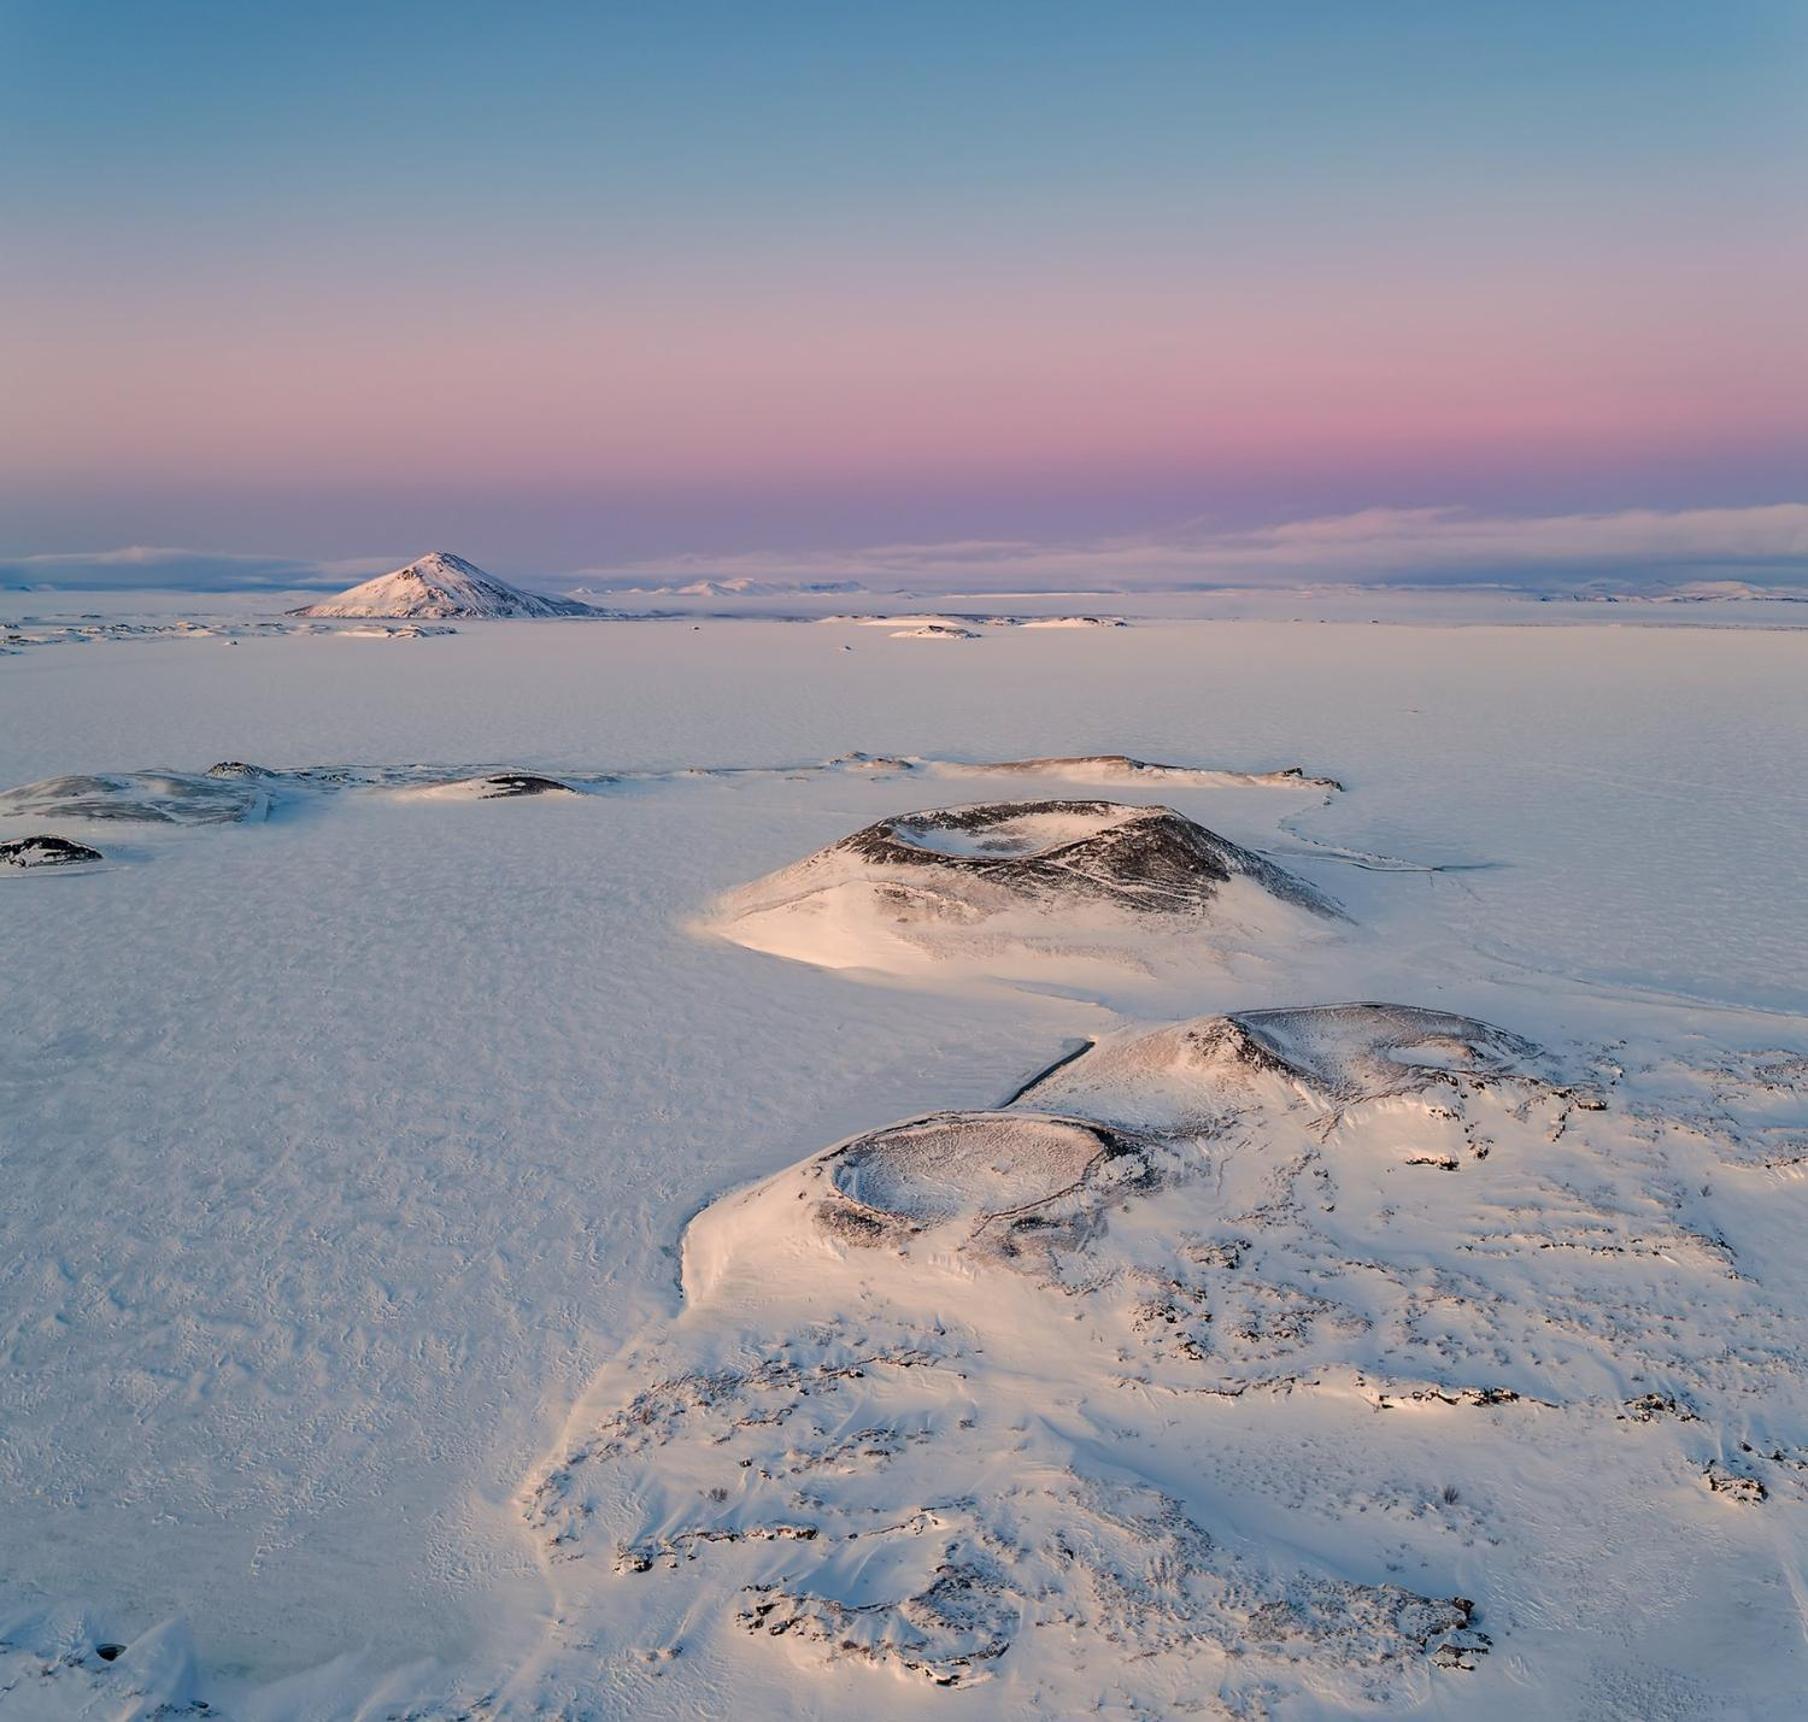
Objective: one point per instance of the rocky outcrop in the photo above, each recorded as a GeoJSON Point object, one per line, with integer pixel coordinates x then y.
{"type": "Point", "coordinates": [46, 851]}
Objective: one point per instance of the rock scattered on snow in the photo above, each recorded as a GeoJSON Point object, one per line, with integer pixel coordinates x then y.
{"type": "Point", "coordinates": [492, 786]}
{"type": "Point", "coordinates": [1740, 1486]}
{"type": "Point", "coordinates": [1165, 1361]}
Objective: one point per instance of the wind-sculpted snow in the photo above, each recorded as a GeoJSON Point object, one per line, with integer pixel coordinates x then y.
{"type": "Point", "coordinates": [350, 1156]}
{"type": "Point", "coordinates": [235, 791]}
{"type": "Point", "coordinates": [437, 782]}
{"type": "Point", "coordinates": [79, 1672]}
{"type": "Point", "coordinates": [1232, 1358]}
{"type": "Point", "coordinates": [989, 885]}
{"type": "Point", "coordinates": [146, 797]}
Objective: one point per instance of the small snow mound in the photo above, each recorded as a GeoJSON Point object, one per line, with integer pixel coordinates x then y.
{"type": "Point", "coordinates": [1000, 883]}
{"type": "Point", "coordinates": [936, 631]}
{"type": "Point", "coordinates": [1334, 1056]}
{"type": "Point", "coordinates": [411, 631]}
{"type": "Point", "coordinates": [496, 786]}
{"type": "Point", "coordinates": [917, 620]}
{"type": "Point", "coordinates": [56, 1664]}
{"type": "Point", "coordinates": [870, 762]}
{"type": "Point", "coordinates": [1122, 768]}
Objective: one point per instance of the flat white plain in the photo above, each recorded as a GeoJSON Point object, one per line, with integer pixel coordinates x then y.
{"type": "Point", "coordinates": [346, 1153]}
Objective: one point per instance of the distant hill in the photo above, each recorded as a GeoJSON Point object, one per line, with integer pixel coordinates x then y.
{"type": "Point", "coordinates": [441, 586]}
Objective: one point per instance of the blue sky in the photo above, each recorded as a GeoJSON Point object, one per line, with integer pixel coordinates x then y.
{"type": "Point", "coordinates": [574, 286]}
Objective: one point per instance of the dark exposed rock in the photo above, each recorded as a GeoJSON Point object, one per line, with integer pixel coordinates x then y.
{"type": "Point", "coordinates": [946, 1633]}
{"type": "Point", "coordinates": [1739, 1486]}
{"type": "Point", "coordinates": [46, 852]}
{"type": "Point", "coordinates": [871, 762]}
{"type": "Point", "coordinates": [1648, 1407]}
{"type": "Point", "coordinates": [511, 783]}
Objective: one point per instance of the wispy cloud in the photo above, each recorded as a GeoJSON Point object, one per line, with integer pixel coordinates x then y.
{"type": "Point", "coordinates": [159, 568]}
{"type": "Point", "coordinates": [1765, 545]}
{"type": "Point", "coordinates": [1632, 549]}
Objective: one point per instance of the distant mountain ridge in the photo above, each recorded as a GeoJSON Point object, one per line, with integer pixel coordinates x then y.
{"type": "Point", "coordinates": [443, 587]}
{"type": "Point", "coordinates": [740, 586]}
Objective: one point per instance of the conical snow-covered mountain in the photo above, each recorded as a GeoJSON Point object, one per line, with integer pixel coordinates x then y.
{"type": "Point", "coordinates": [442, 587]}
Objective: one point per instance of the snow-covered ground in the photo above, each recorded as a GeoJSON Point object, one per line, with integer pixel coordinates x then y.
{"type": "Point", "coordinates": [349, 1150]}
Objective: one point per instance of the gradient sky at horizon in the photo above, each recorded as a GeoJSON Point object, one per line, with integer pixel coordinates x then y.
{"type": "Point", "coordinates": [565, 286]}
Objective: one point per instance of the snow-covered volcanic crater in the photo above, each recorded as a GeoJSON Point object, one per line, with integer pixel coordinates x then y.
{"type": "Point", "coordinates": [989, 885]}
{"type": "Point", "coordinates": [1080, 1349]}
{"type": "Point", "coordinates": [1240, 1351]}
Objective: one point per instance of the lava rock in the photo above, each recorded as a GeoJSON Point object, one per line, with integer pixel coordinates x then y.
{"type": "Point", "coordinates": [46, 852]}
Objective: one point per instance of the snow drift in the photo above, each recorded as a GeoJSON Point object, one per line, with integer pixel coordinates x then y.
{"type": "Point", "coordinates": [146, 797]}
